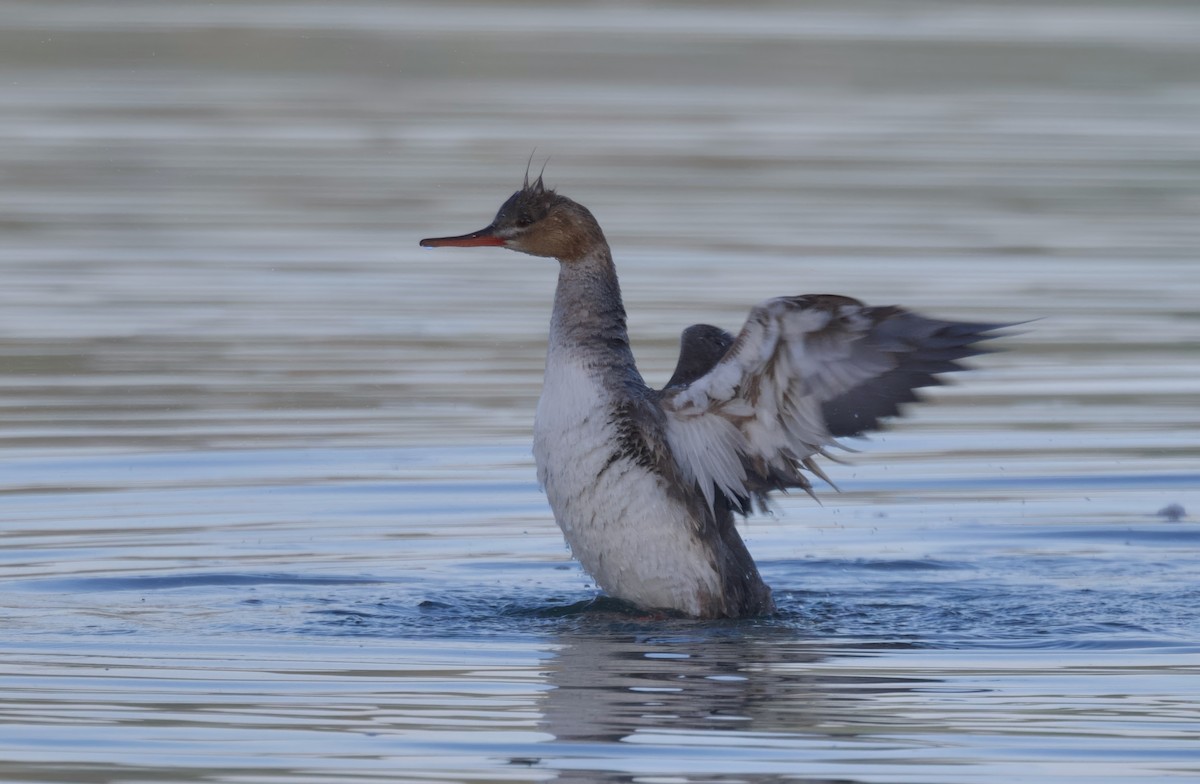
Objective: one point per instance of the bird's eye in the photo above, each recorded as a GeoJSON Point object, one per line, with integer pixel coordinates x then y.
{"type": "Point", "coordinates": [524, 220]}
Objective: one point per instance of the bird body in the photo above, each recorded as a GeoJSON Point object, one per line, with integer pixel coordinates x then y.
{"type": "Point", "coordinates": [645, 483]}
{"type": "Point", "coordinates": [599, 444]}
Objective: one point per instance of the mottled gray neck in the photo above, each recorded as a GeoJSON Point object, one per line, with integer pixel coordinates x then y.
{"type": "Point", "coordinates": [588, 322]}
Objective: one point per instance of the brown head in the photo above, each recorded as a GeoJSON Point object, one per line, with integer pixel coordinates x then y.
{"type": "Point", "coordinates": [537, 221]}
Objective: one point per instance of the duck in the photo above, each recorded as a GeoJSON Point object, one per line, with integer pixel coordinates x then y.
{"type": "Point", "coordinates": [647, 484]}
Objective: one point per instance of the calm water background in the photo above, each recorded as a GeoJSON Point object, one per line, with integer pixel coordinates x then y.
{"type": "Point", "coordinates": [267, 507]}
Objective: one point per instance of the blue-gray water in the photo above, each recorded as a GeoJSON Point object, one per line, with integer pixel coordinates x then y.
{"type": "Point", "coordinates": [267, 507]}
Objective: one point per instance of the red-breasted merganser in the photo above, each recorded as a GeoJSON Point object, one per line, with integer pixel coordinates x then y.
{"type": "Point", "coordinates": [645, 482]}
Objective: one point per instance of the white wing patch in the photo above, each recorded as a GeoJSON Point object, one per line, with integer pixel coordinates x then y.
{"type": "Point", "coordinates": [708, 449]}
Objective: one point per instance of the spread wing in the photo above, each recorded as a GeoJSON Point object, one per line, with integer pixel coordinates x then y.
{"type": "Point", "coordinates": [744, 415]}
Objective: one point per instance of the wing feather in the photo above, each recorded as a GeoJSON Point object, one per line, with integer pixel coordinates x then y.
{"type": "Point", "coordinates": [746, 415]}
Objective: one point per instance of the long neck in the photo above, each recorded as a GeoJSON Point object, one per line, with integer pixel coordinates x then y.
{"type": "Point", "coordinates": [588, 322]}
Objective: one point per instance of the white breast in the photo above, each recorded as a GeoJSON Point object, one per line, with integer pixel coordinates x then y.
{"type": "Point", "coordinates": [635, 540]}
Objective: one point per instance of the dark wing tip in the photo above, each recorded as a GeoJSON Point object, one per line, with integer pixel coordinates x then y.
{"type": "Point", "coordinates": [921, 349]}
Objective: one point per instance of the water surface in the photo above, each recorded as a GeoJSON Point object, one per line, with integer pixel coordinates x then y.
{"type": "Point", "coordinates": [267, 505]}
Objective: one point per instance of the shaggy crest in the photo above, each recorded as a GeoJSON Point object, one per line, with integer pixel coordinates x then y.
{"type": "Point", "coordinates": [538, 186]}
